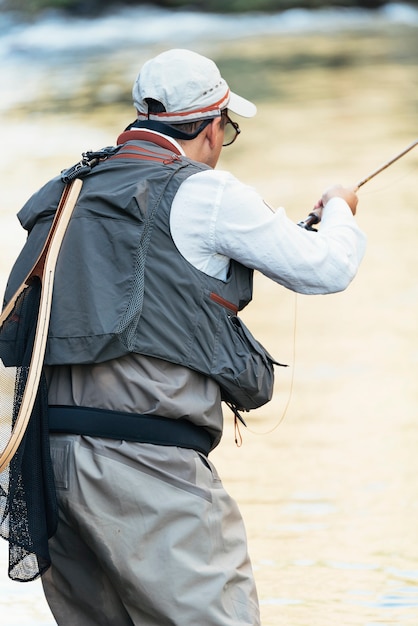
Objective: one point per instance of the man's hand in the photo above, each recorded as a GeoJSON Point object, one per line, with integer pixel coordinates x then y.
{"type": "Point", "coordinates": [346, 193]}
{"type": "Point", "coordinates": [336, 191]}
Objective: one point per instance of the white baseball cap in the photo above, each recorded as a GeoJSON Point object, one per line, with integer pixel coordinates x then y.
{"type": "Point", "coordinates": [189, 86]}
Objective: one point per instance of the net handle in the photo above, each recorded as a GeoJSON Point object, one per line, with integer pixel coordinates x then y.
{"type": "Point", "coordinates": [45, 269]}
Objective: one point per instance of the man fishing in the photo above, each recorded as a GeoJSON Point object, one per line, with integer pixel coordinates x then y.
{"type": "Point", "coordinates": [144, 344]}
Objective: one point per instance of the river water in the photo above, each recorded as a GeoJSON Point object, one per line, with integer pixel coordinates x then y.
{"type": "Point", "coordinates": [329, 496]}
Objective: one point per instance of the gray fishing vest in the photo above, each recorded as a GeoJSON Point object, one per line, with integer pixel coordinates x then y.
{"type": "Point", "coordinates": [122, 286]}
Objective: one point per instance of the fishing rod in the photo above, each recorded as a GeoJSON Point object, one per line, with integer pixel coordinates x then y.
{"type": "Point", "coordinates": [313, 218]}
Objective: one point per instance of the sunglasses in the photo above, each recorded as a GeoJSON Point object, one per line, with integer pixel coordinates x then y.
{"type": "Point", "coordinates": [232, 130]}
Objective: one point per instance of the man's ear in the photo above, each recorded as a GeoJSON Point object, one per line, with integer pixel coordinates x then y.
{"type": "Point", "coordinates": [212, 131]}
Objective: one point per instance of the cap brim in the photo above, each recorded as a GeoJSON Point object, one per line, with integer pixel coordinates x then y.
{"type": "Point", "coordinates": [241, 106]}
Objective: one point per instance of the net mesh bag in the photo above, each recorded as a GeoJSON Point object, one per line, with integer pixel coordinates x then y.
{"type": "Point", "coordinates": [28, 508]}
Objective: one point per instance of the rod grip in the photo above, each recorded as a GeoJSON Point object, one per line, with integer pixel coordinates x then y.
{"type": "Point", "coordinates": [310, 221]}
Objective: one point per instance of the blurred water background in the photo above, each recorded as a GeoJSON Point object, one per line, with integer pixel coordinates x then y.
{"type": "Point", "coordinates": [329, 496]}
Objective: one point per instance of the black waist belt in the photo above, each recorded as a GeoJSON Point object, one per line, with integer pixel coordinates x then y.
{"type": "Point", "coordinates": [163, 431]}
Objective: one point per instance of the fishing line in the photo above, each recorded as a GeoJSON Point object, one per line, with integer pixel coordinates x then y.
{"type": "Point", "coordinates": [314, 218]}
{"type": "Point", "coordinates": [292, 377]}
{"type": "Point", "coordinates": [389, 184]}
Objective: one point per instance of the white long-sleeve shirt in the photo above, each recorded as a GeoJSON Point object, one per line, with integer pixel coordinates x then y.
{"type": "Point", "coordinates": [215, 218]}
